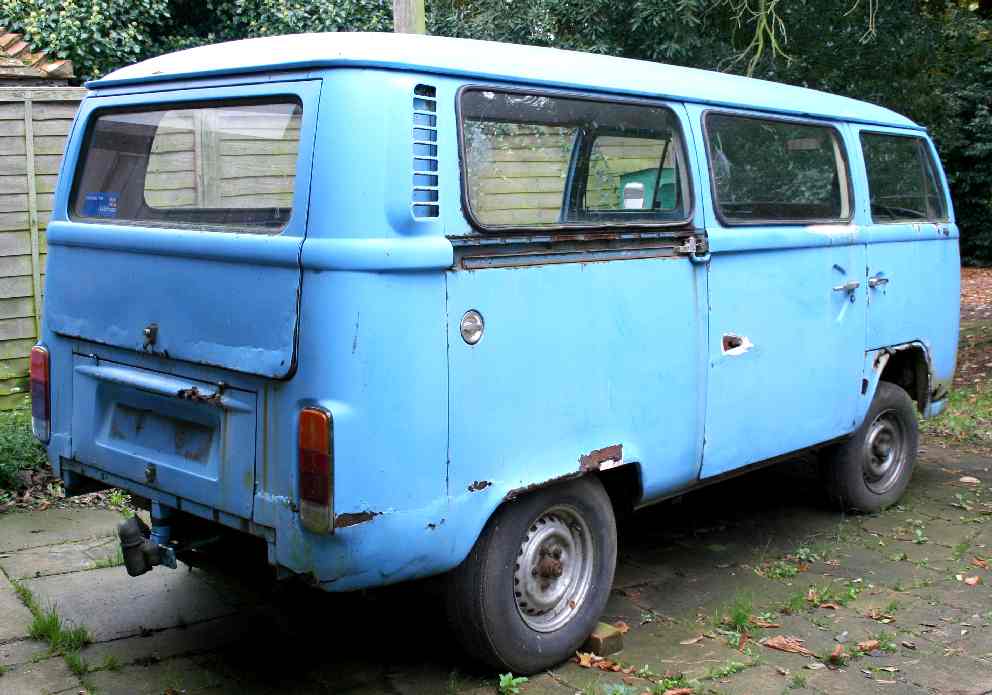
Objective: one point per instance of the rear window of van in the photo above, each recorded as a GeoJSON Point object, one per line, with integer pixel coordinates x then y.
{"type": "Point", "coordinates": [218, 167]}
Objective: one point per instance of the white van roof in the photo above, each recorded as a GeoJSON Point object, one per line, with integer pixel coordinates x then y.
{"type": "Point", "coordinates": [491, 61]}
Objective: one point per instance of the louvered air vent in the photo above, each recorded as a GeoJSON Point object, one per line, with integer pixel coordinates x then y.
{"type": "Point", "coordinates": [425, 152]}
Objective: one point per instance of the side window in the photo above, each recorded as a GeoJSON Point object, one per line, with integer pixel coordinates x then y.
{"type": "Point", "coordinates": [776, 171]}
{"type": "Point", "coordinates": [901, 179]}
{"type": "Point", "coordinates": [544, 161]}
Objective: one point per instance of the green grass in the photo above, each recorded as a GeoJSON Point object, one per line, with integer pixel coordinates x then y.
{"type": "Point", "coordinates": [115, 560]}
{"type": "Point", "coordinates": [728, 668]}
{"type": "Point", "coordinates": [3, 670]}
{"type": "Point", "coordinates": [47, 626]}
{"type": "Point", "coordinates": [77, 664]}
{"type": "Point", "coordinates": [19, 450]}
{"type": "Point", "coordinates": [967, 419]}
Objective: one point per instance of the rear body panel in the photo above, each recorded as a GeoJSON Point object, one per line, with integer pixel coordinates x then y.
{"type": "Point", "coordinates": [178, 434]}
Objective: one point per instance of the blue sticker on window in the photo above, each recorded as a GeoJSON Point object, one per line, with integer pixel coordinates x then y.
{"type": "Point", "coordinates": [100, 204]}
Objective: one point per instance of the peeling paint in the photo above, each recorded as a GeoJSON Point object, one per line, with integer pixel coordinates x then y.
{"type": "Point", "coordinates": [354, 518]}
{"type": "Point", "coordinates": [601, 459]}
{"type": "Point", "coordinates": [479, 485]}
{"type": "Point", "coordinates": [520, 491]}
{"type": "Point", "coordinates": [734, 345]}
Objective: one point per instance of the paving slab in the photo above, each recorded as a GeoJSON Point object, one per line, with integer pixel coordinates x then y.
{"type": "Point", "coordinates": [21, 652]}
{"type": "Point", "coordinates": [39, 678]}
{"type": "Point", "coordinates": [187, 676]}
{"type": "Point", "coordinates": [21, 530]}
{"type": "Point", "coordinates": [15, 619]}
{"type": "Point", "coordinates": [113, 605]}
{"type": "Point", "coordinates": [179, 641]}
{"type": "Point", "coordinates": [59, 559]}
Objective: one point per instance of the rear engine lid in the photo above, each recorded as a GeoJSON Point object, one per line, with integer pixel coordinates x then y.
{"type": "Point", "coordinates": [180, 232]}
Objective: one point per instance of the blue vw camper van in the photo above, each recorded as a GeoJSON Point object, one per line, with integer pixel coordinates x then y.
{"type": "Point", "coordinates": [397, 306]}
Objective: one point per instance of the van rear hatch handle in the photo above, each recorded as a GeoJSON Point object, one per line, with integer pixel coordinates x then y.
{"type": "Point", "coordinates": [164, 385]}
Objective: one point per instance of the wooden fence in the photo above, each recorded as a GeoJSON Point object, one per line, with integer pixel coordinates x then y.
{"type": "Point", "coordinates": [34, 123]}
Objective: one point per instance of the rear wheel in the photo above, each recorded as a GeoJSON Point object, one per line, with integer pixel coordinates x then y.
{"type": "Point", "coordinates": [538, 578]}
{"type": "Point", "coordinates": [871, 470]}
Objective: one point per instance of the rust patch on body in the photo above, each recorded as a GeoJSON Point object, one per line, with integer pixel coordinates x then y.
{"type": "Point", "coordinates": [354, 518]}
{"type": "Point", "coordinates": [479, 485]}
{"type": "Point", "coordinates": [601, 459]}
{"type": "Point", "coordinates": [193, 394]}
{"type": "Point", "coordinates": [520, 491]}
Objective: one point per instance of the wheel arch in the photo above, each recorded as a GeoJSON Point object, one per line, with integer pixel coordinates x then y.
{"type": "Point", "coordinates": [907, 365]}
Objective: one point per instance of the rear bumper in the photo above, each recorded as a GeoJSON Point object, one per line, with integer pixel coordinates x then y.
{"type": "Point", "coordinates": [70, 467]}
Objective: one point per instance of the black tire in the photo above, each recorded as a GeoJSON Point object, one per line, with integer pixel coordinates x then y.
{"type": "Point", "coordinates": [855, 472]}
{"type": "Point", "coordinates": [485, 595]}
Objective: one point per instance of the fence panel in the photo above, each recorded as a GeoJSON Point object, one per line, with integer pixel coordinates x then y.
{"type": "Point", "coordinates": [34, 123]}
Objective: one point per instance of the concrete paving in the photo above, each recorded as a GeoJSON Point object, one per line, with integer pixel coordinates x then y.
{"type": "Point", "coordinates": [761, 542]}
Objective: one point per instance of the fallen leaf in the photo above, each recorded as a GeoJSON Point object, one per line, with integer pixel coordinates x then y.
{"type": "Point", "coordinates": [782, 671]}
{"type": "Point", "coordinates": [868, 646]}
{"type": "Point", "coordinates": [881, 682]}
{"type": "Point", "coordinates": [692, 640]}
{"type": "Point", "coordinates": [909, 645]}
{"type": "Point", "coordinates": [584, 659]}
{"type": "Point", "coordinates": [814, 666]}
{"type": "Point", "coordinates": [678, 691]}
{"type": "Point", "coordinates": [760, 622]}
{"type": "Point", "coordinates": [973, 581]}
{"type": "Point", "coordinates": [888, 669]}
{"type": "Point", "coordinates": [877, 614]}
{"type": "Point", "coordinates": [979, 562]}
{"type": "Point", "coordinates": [623, 627]}
{"type": "Point", "coordinates": [785, 643]}
{"type": "Point", "coordinates": [830, 606]}
{"type": "Point", "coordinates": [838, 656]}
{"type": "Point", "coordinates": [968, 480]}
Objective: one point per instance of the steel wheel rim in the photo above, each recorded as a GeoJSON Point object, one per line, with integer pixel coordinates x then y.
{"type": "Point", "coordinates": [884, 452]}
{"type": "Point", "coordinates": [553, 570]}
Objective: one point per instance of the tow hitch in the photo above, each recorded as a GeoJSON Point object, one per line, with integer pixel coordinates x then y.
{"type": "Point", "coordinates": [140, 548]}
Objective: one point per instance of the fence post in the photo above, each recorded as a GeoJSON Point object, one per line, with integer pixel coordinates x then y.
{"type": "Point", "coordinates": [33, 212]}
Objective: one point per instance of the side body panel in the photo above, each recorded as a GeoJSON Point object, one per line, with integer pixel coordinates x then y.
{"type": "Point", "coordinates": [920, 263]}
{"type": "Point", "coordinates": [795, 377]}
{"type": "Point", "coordinates": [577, 358]}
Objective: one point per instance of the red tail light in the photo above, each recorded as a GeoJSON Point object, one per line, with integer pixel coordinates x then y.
{"type": "Point", "coordinates": [41, 394]}
{"type": "Point", "coordinates": [316, 474]}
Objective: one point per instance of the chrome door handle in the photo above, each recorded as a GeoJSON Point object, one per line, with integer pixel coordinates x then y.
{"type": "Point", "coordinates": [848, 286]}
{"type": "Point", "coordinates": [878, 281]}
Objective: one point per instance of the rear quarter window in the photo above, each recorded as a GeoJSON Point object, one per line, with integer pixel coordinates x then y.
{"type": "Point", "coordinates": [218, 167]}
{"type": "Point", "coordinates": [902, 182]}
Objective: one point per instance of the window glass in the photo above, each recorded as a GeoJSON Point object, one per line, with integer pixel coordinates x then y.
{"type": "Point", "coordinates": [632, 173]}
{"type": "Point", "coordinates": [776, 171]}
{"type": "Point", "coordinates": [901, 179]}
{"type": "Point", "coordinates": [228, 167]}
{"type": "Point", "coordinates": [544, 161]}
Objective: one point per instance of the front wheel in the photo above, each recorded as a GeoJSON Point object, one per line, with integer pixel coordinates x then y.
{"type": "Point", "coordinates": [871, 470]}
{"type": "Point", "coordinates": [537, 580]}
